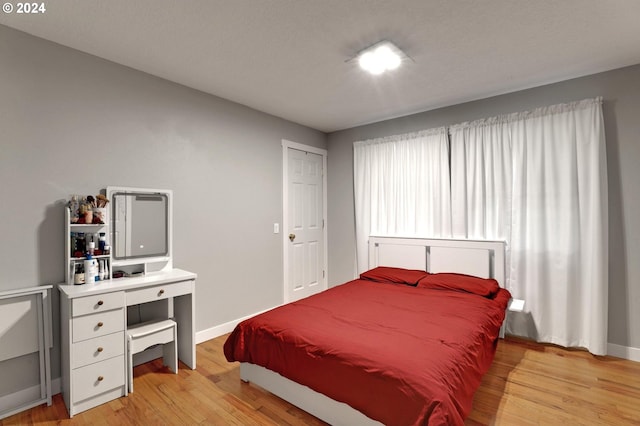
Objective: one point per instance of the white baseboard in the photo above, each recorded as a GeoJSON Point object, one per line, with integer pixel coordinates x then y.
{"type": "Point", "coordinates": [21, 400]}
{"type": "Point", "coordinates": [18, 401]}
{"type": "Point", "coordinates": [626, 352]}
{"type": "Point", "coordinates": [219, 330]}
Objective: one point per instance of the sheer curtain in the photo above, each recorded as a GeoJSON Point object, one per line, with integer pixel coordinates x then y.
{"type": "Point", "coordinates": [401, 188]}
{"type": "Point", "coordinates": [539, 181]}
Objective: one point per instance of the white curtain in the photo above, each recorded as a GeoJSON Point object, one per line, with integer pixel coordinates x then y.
{"type": "Point", "coordinates": [402, 188]}
{"type": "Point", "coordinates": [539, 181]}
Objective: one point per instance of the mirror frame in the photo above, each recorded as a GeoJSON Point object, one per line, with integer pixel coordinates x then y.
{"type": "Point", "coordinates": [136, 260]}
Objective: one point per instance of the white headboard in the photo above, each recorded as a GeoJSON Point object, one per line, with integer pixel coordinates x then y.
{"type": "Point", "coordinates": [481, 258]}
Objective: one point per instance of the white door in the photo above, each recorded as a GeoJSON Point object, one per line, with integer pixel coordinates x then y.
{"type": "Point", "coordinates": [304, 234]}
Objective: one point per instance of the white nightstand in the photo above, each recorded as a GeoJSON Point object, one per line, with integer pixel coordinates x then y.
{"type": "Point", "coordinates": [515, 305]}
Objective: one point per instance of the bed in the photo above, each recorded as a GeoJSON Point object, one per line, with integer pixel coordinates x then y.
{"type": "Point", "coordinates": [399, 345]}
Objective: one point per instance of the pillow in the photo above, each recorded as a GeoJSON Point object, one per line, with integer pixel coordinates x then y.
{"type": "Point", "coordinates": [486, 287]}
{"type": "Point", "coordinates": [387, 274]}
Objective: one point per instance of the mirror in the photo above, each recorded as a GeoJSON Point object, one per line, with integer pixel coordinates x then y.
{"type": "Point", "coordinates": [140, 221]}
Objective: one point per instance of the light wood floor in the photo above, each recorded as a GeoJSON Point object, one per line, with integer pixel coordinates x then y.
{"type": "Point", "coordinates": [528, 384]}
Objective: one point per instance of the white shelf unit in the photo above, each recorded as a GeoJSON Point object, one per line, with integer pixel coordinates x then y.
{"type": "Point", "coordinates": [86, 229]}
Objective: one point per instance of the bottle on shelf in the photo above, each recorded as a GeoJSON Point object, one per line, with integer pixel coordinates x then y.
{"type": "Point", "coordinates": [90, 269]}
{"type": "Point", "coordinates": [102, 242]}
{"type": "Point", "coordinates": [81, 246]}
{"type": "Point", "coordinates": [101, 269]}
{"type": "Point", "coordinates": [73, 244]}
{"type": "Point", "coordinates": [78, 276]}
{"type": "Point", "coordinates": [91, 246]}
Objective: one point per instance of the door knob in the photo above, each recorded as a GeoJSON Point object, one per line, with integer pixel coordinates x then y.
{"type": "Point", "coordinates": [292, 237]}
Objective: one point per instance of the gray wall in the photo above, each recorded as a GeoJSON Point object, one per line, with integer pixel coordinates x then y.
{"type": "Point", "coordinates": [71, 123]}
{"type": "Point", "coordinates": [621, 91]}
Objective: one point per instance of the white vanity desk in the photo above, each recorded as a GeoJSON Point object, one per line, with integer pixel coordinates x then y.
{"type": "Point", "coordinates": [93, 321]}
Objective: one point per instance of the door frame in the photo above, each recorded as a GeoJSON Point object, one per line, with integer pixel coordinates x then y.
{"type": "Point", "coordinates": [286, 144]}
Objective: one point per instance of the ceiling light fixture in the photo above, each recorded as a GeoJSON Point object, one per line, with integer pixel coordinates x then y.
{"type": "Point", "coordinates": [382, 56]}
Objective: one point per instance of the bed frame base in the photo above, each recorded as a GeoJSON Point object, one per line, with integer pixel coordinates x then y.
{"type": "Point", "coordinates": [319, 405]}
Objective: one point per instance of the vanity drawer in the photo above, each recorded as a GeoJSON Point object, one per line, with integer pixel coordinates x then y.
{"type": "Point", "coordinates": [97, 303]}
{"type": "Point", "coordinates": [159, 292]}
{"type": "Point", "coordinates": [96, 325]}
{"type": "Point", "coordinates": [97, 378]}
{"type": "Point", "coordinates": [98, 349]}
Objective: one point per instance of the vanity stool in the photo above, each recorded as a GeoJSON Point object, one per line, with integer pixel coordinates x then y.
{"type": "Point", "coordinates": [144, 335]}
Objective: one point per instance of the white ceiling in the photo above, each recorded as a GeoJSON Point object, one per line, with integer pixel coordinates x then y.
{"type": "Point", "coordinates": [289, 57]}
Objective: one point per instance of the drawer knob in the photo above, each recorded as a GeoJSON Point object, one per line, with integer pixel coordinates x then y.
{"type": "Point", "coordinates": [161, 292]}
{"type": "Point", "coordinates": [100, 349]}
{"type": "Point", "coordinates": [100, 302]}
{"type": "Point", "coordinates": [100, 378]}
{"type": "Point", "coordinates": [100, 324]}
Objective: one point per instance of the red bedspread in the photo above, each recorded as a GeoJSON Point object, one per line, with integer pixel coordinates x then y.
{"type": "Point", "coordinates": [399, 354]}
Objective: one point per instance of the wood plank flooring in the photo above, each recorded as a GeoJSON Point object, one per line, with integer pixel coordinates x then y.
{"type": "Point", "coordinates": [528, 384]}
